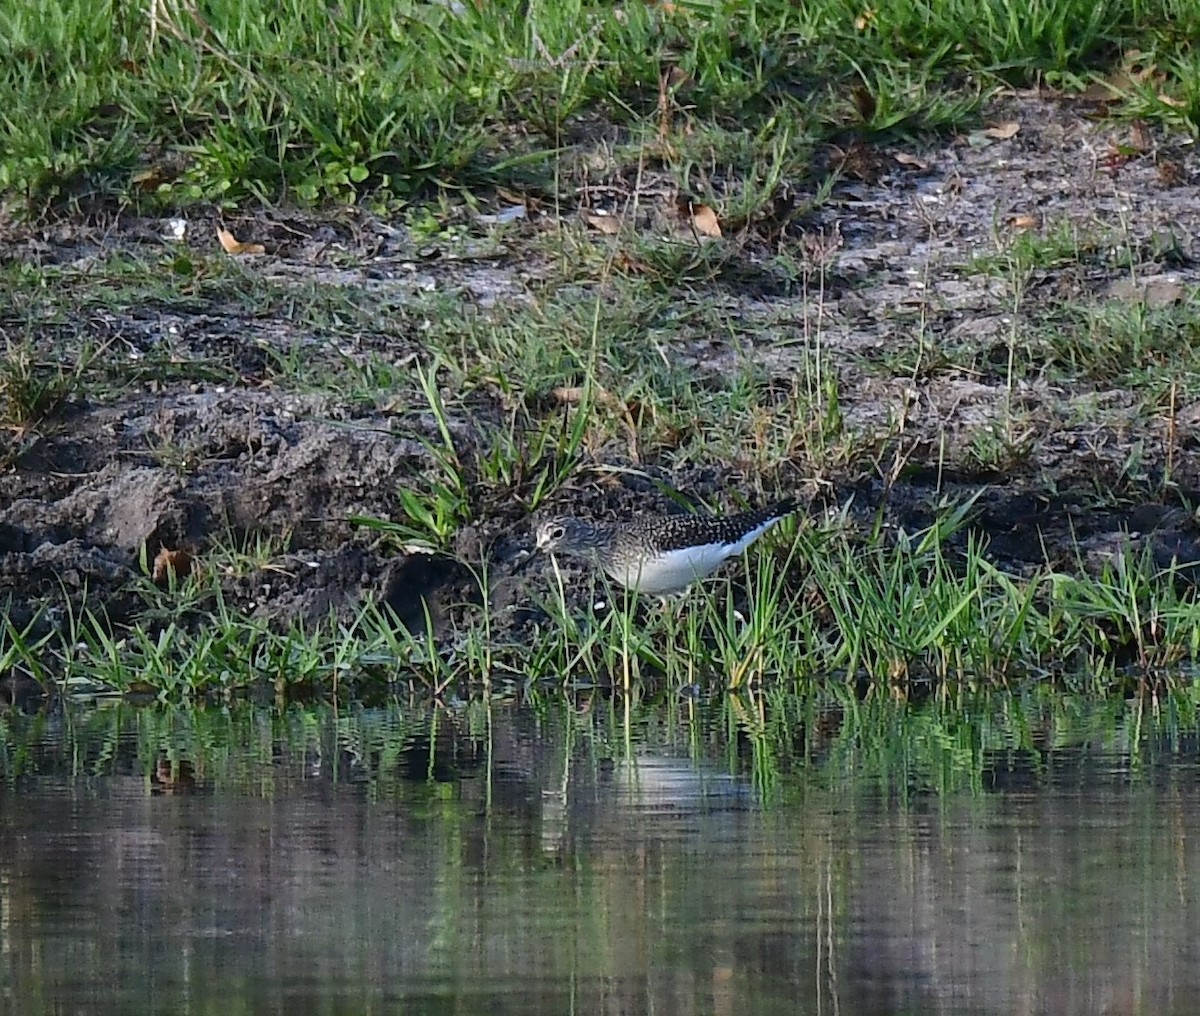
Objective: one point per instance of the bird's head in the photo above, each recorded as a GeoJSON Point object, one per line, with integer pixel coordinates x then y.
{"type": "Point", "coordinates": [569, 536]}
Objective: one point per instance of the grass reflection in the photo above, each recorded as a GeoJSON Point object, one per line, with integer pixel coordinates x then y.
{"type": "Point", "coordinates": [777, 741]}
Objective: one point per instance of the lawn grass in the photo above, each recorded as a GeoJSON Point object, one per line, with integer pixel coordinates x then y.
{"type": "Point", "coordinates": [109, 101]}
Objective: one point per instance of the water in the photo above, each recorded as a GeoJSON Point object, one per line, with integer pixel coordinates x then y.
{"type": "Point", "coordinates": [676, 858]}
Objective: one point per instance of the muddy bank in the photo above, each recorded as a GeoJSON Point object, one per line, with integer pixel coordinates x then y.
{"type": "Point", "coordinates": [952, 373]}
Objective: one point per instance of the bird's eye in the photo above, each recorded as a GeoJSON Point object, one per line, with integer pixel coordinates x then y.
{"type": "Point", "coordinates": [557, 532]}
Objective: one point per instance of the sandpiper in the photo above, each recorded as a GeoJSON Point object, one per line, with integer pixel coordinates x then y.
{"type": "Point", "coordinates": [660, 554]}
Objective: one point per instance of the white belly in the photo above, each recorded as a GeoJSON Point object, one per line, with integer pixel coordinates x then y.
{"type": "Point", "coordinates": [672, 571]}
{"type": "Point", "coordinates": [677, 569]}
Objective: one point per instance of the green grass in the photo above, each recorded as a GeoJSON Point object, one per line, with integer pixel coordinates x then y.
{"type": "Point", "coordinates": [1137, 334]}
{"type": "Point", "coordinates": [479, 398]}
{"type": "Point", "coordinates": [822, 604]}
{"type": "Point", "coordinates": [264, 103]}
{"type": "Point", "coordinates": [32, 390]}
{"type": "Point", "coordinates": [1126, 344]}
{"type": "Point", "coordinates": [637, 356]}
{"type": "Point", "coordinates": [543, 385]}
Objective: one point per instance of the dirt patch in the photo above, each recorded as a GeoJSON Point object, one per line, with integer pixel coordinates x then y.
{"type": "Point", "coordinates": [942, 354]}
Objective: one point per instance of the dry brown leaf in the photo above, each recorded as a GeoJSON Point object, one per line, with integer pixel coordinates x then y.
{"type": "Point", "coordinates": [629, 414]}
{"type": "Point", "coordinates": [1138, 64]}
{"type": "Point", "coordinates": [1135, 70]}
{"type": "Point", "coordinates": [704, 221]}
{"type": "Point", "coordinates": [907, 159]}
{"type": "Point", "coordinates": [574, 395]}
{"type": "Point", "coordinates": [609, 225]}
{"type": "Point", "coordinates": [149, 178]}
{"type": "Point", "coordinates": [1139, 136]}
{"type": "Point", "coordinates": [1023, 222]}
{"type": "Point", "coordinates": [235, 247]}
{"type": "Point", "coordinates": [1100, 91]}
{"type": "Point", "coordinates": [1002, 131]}
{"type": "Point", "coordinates": [678, 78]}
{"type": "Point", "coordinates": [1170, 100]}
{"type": "Point", "coordinates": [865, 19]}
{"type": "Point", "coordinates": [170, 562]}
{"type": "Point", "coordinates": [568, 396]}
{"type": "Point", "coordinates": [631, 265]}
{"type": "Point", "coordinates": [864, 102]}
{"type": "Point", "coordinates": [510, 197]}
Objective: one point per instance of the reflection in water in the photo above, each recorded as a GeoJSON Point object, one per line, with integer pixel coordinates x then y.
{"type": "Point", "coordinates": [513, 863]}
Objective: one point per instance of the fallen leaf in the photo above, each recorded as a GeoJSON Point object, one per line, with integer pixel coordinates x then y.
{"type": "Point", "coordinates": [168, 563]}
{"type": "Point", "coordinates": [1170, 100]}
{"type": "Point", "coordinates": [865, 19]}
{"type": "Point", "coordinates": [701, 217]}
{"type": "Point", "coordinates": [906, 159]}
{"type": "Point", "coordinates": [234, 246]}
{"type": "Point", "coordinates": [1132, 73]}
{"type": "Point", "coordinates": [1100, 91]}
{"type": "Point", "coordinates": [1133, 60]}
{"type": "Point", "coordinates": [631, 265]}
{"type": "Point", "coordinates": [513, 198]}
{"type": "Point", "coordinates": [631, 414]}
{"type": "Point", "coordinates": [575, 395]}
{"type": "Point", "coordinates": [1139, 136]}
{"type": "Point", "coordinates": [1023, 222]}
{"type": "Point", "coordinates": [678, 78]}
{"type": "Point", "coordinates": [149, 178]}
{"type": "Point", "coordinates": [603, 222]}
{"type": "Point", "coordinates": [568, 395]}
{"type": "Point", "coordinates": [1002, 131]}
{"type": "Point", "coordinates": [864, 102]}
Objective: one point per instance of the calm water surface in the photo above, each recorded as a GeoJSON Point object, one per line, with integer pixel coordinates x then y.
{"type": "Point", "coordinates": [676, 859]}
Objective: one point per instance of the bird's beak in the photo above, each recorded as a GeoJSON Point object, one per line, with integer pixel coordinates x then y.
{"type": "Point", "coordinates": [543, 541]}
